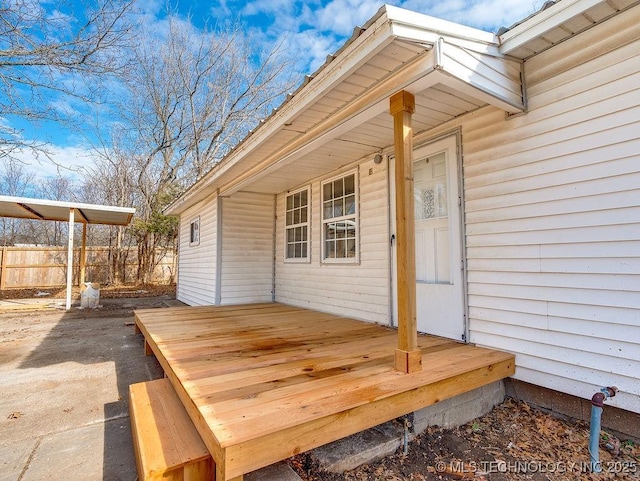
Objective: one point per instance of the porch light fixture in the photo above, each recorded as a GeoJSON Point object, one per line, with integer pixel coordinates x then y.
{"type": "Point", "coordinates": [378, 159]}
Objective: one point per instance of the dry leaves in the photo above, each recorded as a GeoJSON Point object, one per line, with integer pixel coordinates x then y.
{"type": "Point", "coordinates": [511, 443]}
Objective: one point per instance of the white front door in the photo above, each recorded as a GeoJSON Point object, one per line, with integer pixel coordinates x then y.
{"type": "Point", "coordinates": [440, 289]}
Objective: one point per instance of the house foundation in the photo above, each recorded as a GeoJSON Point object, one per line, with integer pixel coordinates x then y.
{"type": "Point", "coordinates": [460, 409]}
{"type": "Point", "coordinates": [621, 423]}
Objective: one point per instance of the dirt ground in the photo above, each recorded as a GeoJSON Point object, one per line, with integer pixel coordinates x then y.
{"type": "Point", "coordinates": [106, 292]}
{"type": "Point", "coordinates": [512, 442]}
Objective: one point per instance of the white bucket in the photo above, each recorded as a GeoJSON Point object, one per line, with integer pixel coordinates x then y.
{"type": "Point", "coordinates": [89, 295]}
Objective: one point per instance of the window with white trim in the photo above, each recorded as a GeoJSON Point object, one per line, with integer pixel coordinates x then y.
{"type": "Point", "coordinates": [340, 219]}
{"type": "Point", "coordinates": [194, 232]}
{"type": "Point", "coordinates": [297, 226]}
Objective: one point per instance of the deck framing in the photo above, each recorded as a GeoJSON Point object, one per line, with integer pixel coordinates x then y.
{"type": "Point", "coordinates": [263, 382]}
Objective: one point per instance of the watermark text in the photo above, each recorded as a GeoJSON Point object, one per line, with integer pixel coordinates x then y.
{"type": "Point", "coordinates": [529, 467]}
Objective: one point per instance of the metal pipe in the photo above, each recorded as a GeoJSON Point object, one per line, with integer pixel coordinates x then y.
{"type": "Point", "coordinates": [407, 421]}
{"type": "Point", "coordinates": [597, 404]}
{"type": "Point", "coordinates": [405, 449]}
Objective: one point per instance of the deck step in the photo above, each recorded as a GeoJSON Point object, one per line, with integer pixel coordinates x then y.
{"type": "Point", "coordinates": [166, 443]}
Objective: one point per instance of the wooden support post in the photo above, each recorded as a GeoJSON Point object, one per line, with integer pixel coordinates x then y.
{"type": "Point", "coordinates": [408, 357]}
{"type": "Point", "coordinates": [70, 259]}
{"type": "Point", "coordinates": [3, 268]}
{"type": "Point", "coordinates": [220, 474]}
{"type": "Point", "coordinates": [147, 349]}
{"type": "Point", "coordinates": [83, 255]}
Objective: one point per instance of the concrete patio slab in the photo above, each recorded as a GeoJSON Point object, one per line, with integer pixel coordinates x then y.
{"type": "Point", "coordinates": [64, 380]}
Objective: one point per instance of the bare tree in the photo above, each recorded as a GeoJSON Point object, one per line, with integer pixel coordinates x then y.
{"type": "Point", "coordinates": [110, 181]}
{"type": "Point", "coordinates": [53, 233]}
{"type": "Point", "coordinates": [191, 96]}
{"type": "Point", "coordinates": [15, 181]}
{"type": "Point", "coordinates": [49, 49]}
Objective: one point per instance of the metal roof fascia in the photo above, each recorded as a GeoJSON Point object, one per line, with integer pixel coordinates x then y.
{"type": "Point", "coordinates": [540, 23]}
{"type": "Point", "coordinates": [438, 27]}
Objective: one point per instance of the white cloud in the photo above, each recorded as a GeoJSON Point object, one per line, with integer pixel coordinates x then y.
{"type": "Point", "coordinates": [312, 48]}
{"type": "Point", "coordinates": [64, 107]}
{"type": "Point", "coordinates": [341, 16]}
{"type": "Point", "coordinates": [220, 10]}
{"type": "Point", "coordinates": [66, 161]}
{"type": "Point", "coordinates": [483, 14]}
{"type": "Point", "coordinates": [275, 7]}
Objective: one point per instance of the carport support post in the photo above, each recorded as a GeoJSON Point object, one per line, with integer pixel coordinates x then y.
{"type": "Point", "coordinates": [408, 357]}
{"type": "Point", "coordinates": [83, 255]}
{"type": "Point", "coordinates": [70, 259]}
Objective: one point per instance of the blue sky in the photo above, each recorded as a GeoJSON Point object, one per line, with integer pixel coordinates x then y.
{"type": "Point", "coordinates": [311, 30]}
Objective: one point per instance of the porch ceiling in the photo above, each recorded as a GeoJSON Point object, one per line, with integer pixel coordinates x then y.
{"type": "Point", "coordinates": [434, 106]}
{"type": "Point", "coordinates": [352, 121]}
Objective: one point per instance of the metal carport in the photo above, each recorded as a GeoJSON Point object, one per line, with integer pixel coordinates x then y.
{"type": "Point", "coordinates": [42, 209]}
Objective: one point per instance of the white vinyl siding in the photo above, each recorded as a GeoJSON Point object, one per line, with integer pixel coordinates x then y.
{"type": "Point", "coordinates": [247, 248]}
{"type": "Point", "coordinates": [357, 290]}
{"type": "Point", "coordinates": [553, 221]}
{"type": "Point", "coordinates": [197, 263]}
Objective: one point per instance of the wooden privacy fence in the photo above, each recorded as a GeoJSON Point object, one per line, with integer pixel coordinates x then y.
{"type": "Point", "coordinates": [24, 267]}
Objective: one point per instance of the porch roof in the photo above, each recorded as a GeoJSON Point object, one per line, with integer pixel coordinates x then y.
{"type": "Point", "coordinates": [340, 114]}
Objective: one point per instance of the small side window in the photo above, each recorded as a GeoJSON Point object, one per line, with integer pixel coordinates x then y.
{"type": "Point", "coordinates": [194, 236]}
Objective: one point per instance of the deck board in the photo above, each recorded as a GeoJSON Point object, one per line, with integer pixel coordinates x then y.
{"type": "Point", "coordinates": [253, 376]}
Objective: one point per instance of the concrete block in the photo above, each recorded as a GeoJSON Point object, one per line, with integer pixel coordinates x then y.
{"type": "Point", "coordinates": [361, 448]}
{"type": "Point", "coordinates": [275, 472]}
{"type": "Point", "coordinates": [460, 409]}
{"type": "Point", "coordinates": [493, 394]}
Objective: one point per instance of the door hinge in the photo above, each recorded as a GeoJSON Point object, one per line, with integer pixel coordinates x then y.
{"type": "Point", "coordinates": [462, 265]}
{"type": "Point", "coordinates": [393, 239]}
{"type": "Point", "coordinates": [464, 337]}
